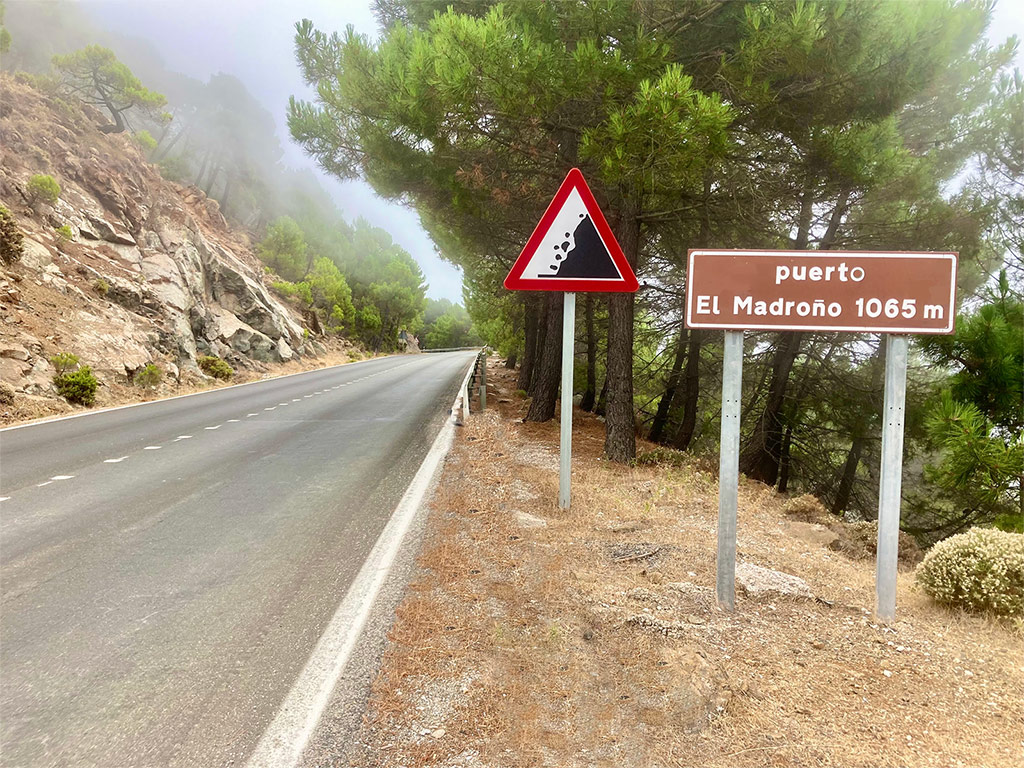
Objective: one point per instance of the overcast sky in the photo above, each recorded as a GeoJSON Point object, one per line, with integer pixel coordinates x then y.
{"type": "Point", "coordinates": [253, 40]}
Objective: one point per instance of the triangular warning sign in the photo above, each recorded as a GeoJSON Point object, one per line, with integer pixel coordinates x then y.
{"type": "Point", "coordinates": [573, 248]}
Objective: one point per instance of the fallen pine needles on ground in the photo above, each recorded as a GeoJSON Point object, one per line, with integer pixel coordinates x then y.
{"type": "Point", "coordinates": [537, 637]}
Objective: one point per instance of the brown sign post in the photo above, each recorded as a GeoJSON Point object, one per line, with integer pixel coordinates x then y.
{"type": "Point", "coordinates": [885, 292]}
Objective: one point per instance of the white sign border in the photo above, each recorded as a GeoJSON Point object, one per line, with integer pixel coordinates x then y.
{"type": "Point", "coordinates": [951, 256]}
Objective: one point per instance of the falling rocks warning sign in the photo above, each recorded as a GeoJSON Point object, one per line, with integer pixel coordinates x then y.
{"type": "Point", "coordinates": [821, 291]}
{"type": "Point", "coordinates": [572, 248]}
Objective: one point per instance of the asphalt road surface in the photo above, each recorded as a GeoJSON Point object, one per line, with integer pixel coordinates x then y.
{"type": "Point", "coordinates": [167, 569]}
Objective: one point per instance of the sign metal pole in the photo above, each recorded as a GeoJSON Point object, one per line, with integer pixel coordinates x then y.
{"type": "Point", "coordinates": [891, 478]}
{"type": "Point", "coordinates": [565, 442]}
{"type": "Point", "coordinates": [729, 469]}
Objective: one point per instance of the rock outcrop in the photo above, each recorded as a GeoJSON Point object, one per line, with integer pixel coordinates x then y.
{"type": "Point", "coordinates": [151, 272]}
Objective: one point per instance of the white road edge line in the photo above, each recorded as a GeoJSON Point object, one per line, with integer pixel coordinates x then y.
{"type": "Point", "coordinates": [285, 739]}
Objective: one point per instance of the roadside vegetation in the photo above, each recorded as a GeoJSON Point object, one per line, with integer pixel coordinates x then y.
{"type": "Point", "coordinates": [787, 124]}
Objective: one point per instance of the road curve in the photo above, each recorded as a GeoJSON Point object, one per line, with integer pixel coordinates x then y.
{"type": "Point", "coordinates": [166, 570]}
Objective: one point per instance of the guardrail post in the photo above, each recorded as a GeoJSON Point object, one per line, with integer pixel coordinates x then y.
{"type": "Point", "coordinates": [483, 381]}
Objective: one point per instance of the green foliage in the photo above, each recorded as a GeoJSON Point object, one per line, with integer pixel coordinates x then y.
{"type": "Point", "coordinates": [64, 362]}
{"type": "Point", "coordinates": [64, 233]}
{"type": "Point", "coordinates": [101, 286]}
{"type": "Point", "coordinates": [447, 325]}
{"type": "Point", "coordinates": [77, 386]}
{"type": "Point", "coordinates": [988, 357]}
{"type": "Point", "coordinates": [5, 36]}
{"type": "Point", "coordinates": [96, 76]}
{"type": "Point", "coordinates": [981, 570]}
{"type": "Point", "coordinates": [145, 140]}
{"type": "Point", "coordinates": [148, 376]}
{"type": "Point", "coordinates": [283, 249]}
{"type": "Point", "coordinates": [42, 189]}
{"type": "Point", "coordinates": [978, 423]}
{"type": "Point", "coordinates": [214, 366]}
{"type": "Point", "coordinates": [11, 239]}
{"type": "Point", "coordinates": [662, 456]}
{"type": "Point", "coordinates": [174, 169]}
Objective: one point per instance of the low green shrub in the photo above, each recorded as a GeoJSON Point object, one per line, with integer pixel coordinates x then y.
{"type": "Point", "coordinates": [663, 455]}
{"type": "Point", "coordinates": [981, 570]}
{"type": "Point", "coordinates": [145, 140]}
{"type": "Point", "coordinates": [11, 245]}
{"type": "Point", "coordinates": [64, 362]}
{"type": "Point", "coordinates": [78, 386]}
{"type": "Point", "coordinates": [42, 189]}
{"type": "Point", "coordinates": [101, 286]}
{"type": "Point", "coordinates": [64, 233]}
{"type": "Point", "coordinates": [148, 376]}
{"type": "Point", "coordinates": [214, 366]}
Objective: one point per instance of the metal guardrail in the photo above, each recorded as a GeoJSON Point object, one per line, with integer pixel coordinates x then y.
{"type": "Point", "coordinates": [449, 349]}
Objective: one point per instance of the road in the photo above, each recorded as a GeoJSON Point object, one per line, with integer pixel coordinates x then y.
{"type": "Point", "coordinates": [167, 569]}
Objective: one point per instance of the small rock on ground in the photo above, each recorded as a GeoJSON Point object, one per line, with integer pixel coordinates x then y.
{"type": "Point", "coordinates": [757, 581]}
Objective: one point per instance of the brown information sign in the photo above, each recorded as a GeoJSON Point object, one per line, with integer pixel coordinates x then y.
{"type": "Point", "coordinates": [821, 291]}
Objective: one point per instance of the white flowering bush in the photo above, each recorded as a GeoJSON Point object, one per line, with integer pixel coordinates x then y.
{"type": "Point", "coordinates": [981, 570]}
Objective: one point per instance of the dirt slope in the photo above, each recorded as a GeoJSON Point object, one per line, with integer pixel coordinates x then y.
{"type": "Point", "coordinates": [535, 637]}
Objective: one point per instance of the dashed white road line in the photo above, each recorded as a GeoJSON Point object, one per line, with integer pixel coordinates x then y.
{"type": "Point", "coordinates": [64, 477]}
{"type": "Point", "coordinates": [296, 399]}
{"type": "Point", "coordinates": [217, 427]}
{"type": "Point", "coordinates": [270, 408]}
{"type": "Point", "coordinates": [232, 421]}
{"type": "Point", "coordinates": [114, 461]}
{"type": "Point", "coordinates": [182, 437]}
{"type": "Point", "coordinates": [40, 485]}
{"type": "Point", "coordinates": [5, 498]}
{"type": "Point", "coordinates": [282, 403]}
{"type": "Point", "coordinates": [250, 415]}
{"type": "Point", "coordinates": [307, 396]}
{"type": "Point", "coordinates": [152, 448]}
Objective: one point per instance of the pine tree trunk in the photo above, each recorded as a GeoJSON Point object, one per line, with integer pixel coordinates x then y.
{"type": "Point", "coordinates": [787, 441]}
{"type": "Point", "coordinates": [620, 425]}
{"type": "Point", "coordinates": [549, 369]}
{"type": "Point", "coordinates": [602, 399]}
{"type": "Point", "coordinates": [587, 403]}
{"type": "Point", "coordinates": [843, 493]}
{"type": "Point", "coordinates": [529, 343]}
{"type": "Point", "coordinates": [669, 395]}
{"type": "Point", "coordinates": [760, 457]}
{"type": "Point", "coordinates": [544, 305]}
{"type": "Point", "coordinates": [510, 361]}
{"type": "Point", "coordinates": [691, 392]}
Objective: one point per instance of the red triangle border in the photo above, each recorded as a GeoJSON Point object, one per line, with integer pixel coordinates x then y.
{"type": "Point", "coordinates": [515, 280]}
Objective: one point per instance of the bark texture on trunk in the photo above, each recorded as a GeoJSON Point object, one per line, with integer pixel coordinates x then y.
{"type": "Point", "coordinates": [590, 393]}
{"type": "Point", "coordinates": [760, 457]}
{"type": "Point", "coordinates": [510, 361]}
{"type": "Point", "coordinates": [549, 366]}
{"type": "Point", "coordinates": [669, 395]}
{"type": "Point", "coordinates": [691, 391]}
{"type": "Point", "coordinates": [529, 343]}
{"type": "Point", "coordinates": [620, 428]}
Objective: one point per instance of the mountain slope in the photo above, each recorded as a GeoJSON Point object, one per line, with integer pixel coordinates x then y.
{"type": "Point", "coordinates": [152, 271]}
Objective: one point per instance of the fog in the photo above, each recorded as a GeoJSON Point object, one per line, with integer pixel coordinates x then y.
{"type": "Point", "coordinates": [253, 41]}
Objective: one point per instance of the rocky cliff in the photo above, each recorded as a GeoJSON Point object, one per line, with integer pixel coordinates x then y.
{"type": "Point", "coordinates": [151, 271]}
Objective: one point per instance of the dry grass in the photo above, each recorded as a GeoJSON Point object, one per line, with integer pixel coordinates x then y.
{"type": "Point", "coordinates": [538, 646]}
